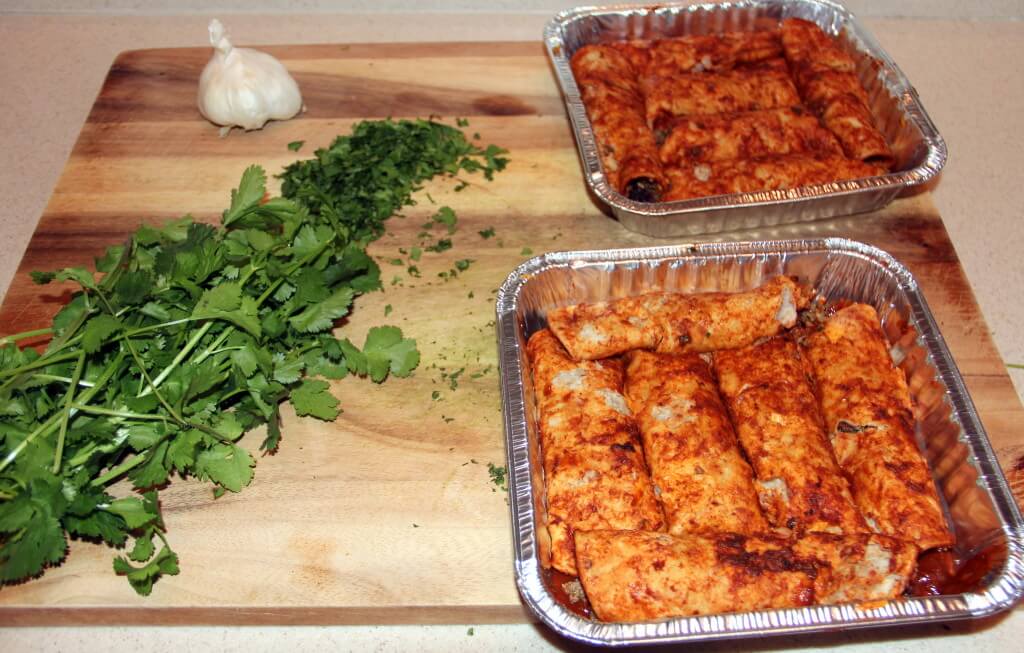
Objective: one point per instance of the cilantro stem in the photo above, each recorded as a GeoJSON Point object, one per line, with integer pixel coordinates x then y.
{"type": "Point", "coordinates": [111, 474]}
{"type": "Point", "coordinates": [61, 379]}
{"type": "Point", "coordinates": [15, 337]}
{"type": "Point", "coordinates": [35, 365]}
{"type": "Point", "coordinates": [66, 413]}
{"type": "Point", "coordinates": [142, 367]}
{"type": "Point", "coordinates": [185, 351]}
{"type": "Point", "coordinates": [96, 410]}
{"type": "Point", "coordinates": [206, 353]}
{"type": "Point", "coordinates": [48, 425]}
{"type": "Point", "coordinates": [155, 327]}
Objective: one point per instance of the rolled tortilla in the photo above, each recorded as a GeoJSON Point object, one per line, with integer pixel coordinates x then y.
{"type": "Point", "coordinates": [594, 469]}
{"type": "Point", "coordinates": [640, 576]}
{"type": "Point", "coordinates": [826, 77]}
{"type": "Point", "coordinates": [615, 106]}
{"type": "Point", "coordinates": [699, 474]}
{"type": "Point", "coordinates": [770, 173]}
{"type": "Point", "coordinates": [870, 423]}
{"type": "Point", "coordinates": [775, 412]}
{"type": "Point", "coordinates": [711, 52]}
{"type": "Point", "coordinates": [762, 86]}
{"type": "Point", "coordinates": [674, 322]}
{"type": "Point", "coordinates": [757, 134]}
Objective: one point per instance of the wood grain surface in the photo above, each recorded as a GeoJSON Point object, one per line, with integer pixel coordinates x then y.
{"type": "Point", "coordinates": [387, 515]}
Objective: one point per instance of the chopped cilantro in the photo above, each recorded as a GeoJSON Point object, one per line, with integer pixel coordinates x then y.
{"type": "Point", "coordinates": [446, 216]}
{"type": "Point", "coordinates": [441, 245]}
{"type": "Point", "coordinates": [487, 233]}
{"type": "Point", "coordinates": [526, 251]}
{"type": "Point", "coordinates": [295, 146]}
{"type": "Point", "coordinates": [498, 476]}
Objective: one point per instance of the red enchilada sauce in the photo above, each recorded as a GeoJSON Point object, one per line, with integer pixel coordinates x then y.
{"type": "Point", "coordinates": [558, 583]}
{"type": "Point", "coordinates": [940, 572]}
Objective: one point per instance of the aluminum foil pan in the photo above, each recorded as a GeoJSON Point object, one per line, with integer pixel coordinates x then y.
{"type": "Point", "coordinates": [919, 150]}
{"type": "Point", "coordinates": [980, 507]}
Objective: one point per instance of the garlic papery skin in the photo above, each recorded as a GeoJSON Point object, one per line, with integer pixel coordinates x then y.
{"type": "Point", "coordinates": [242, 87]}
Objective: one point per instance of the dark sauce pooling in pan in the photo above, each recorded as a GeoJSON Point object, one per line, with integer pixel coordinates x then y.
{"type": "Point", "coordinates": [556, 582]}
{"type": "Point", "coordinates": [940, 572]}
{"type": "Point", "coordinates": [643, 189]}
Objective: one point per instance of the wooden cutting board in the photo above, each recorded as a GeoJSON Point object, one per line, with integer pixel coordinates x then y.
{"type": "Point", "coordinates": [387, 515]}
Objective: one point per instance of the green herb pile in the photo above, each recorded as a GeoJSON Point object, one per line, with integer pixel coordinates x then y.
{"type": "Point", "coordinates": [190, 335]}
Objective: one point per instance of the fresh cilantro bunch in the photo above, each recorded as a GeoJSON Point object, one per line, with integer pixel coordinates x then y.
{"type": "Point", "coordinates": [191, 336]}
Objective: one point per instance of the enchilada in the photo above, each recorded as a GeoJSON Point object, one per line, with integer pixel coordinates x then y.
{"type": "Point", "coordinates": [594, 469]}
{"type": "Point", "coordinates": [870, 424]}
{"type": "Point", "coordinates": [756, 134]}
{"type": "Point", "coordinates": [770, 173]}
{"type": "Point", "coordinates": [828, 83]}
{"type": "Point", "coordinates": [639, 576]}
{"type": "Point", "coordinates": [773, 406]}
{"type": "Point", "coordinates": [673, 322]}
{"type": "Point", "coordinates": [609, 90]}
{"type": "Point", "coordinates": [764, 85]}
{"type": "Point", "coordinates": [704, 53]}
{"type": "Point", "coordinates": [700, 476]}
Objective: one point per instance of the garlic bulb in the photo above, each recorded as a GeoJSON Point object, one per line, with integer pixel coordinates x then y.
{"type": "Point", "coordinates": [241, 87]}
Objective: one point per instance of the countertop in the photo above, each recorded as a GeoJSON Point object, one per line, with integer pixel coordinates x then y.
{"type": "Point", "coordinates": [967, 74]}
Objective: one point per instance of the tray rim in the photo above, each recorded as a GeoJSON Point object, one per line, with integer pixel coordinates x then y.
{"type": "Point", "coordinates": [1004, 591]}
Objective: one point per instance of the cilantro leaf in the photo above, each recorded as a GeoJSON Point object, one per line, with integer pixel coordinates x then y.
{"type": "Point", "coordinates": [446, 216]}
{"type": "Point", "coordinates": [387, 351]}
{"type": "Point", "coordinates": [98, 330]}
{"type": "Point", "coordinates": [313, 398]}
{"type": "Point", "coordinates": [288, 370]}
{"type": "Point", "coordinates": [111, 257]}
{"type": "Point", "coordinates": [142, 578]}
{"type": "Point", "coordinates": [181, 452]}
{"type": "Point", "coordinates": [135, 512]}
{"type": "Point", "coordinates": [295, 146]}
{"type": "Point", "coordinates": [273, 439]}
{"type": "Point", "coordinates": [228, 465]}
{"type": "Point", "coordinates": [247, 196]}
{"type": "Point", "coordinates": [320, 317]}
{"type": "Point", "coordinates": [225, 302]}
{"type": "Point", "coordinates": [143, 549]}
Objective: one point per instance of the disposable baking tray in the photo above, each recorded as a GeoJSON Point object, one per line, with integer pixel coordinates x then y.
{"type": "Point", "coordinates": [920, 152]}
{"type": "Point", "coordinates": [980, 507]}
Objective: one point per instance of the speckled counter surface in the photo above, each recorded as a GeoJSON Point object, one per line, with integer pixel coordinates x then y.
{"type": "Point", "coordinates": [967, 73]}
